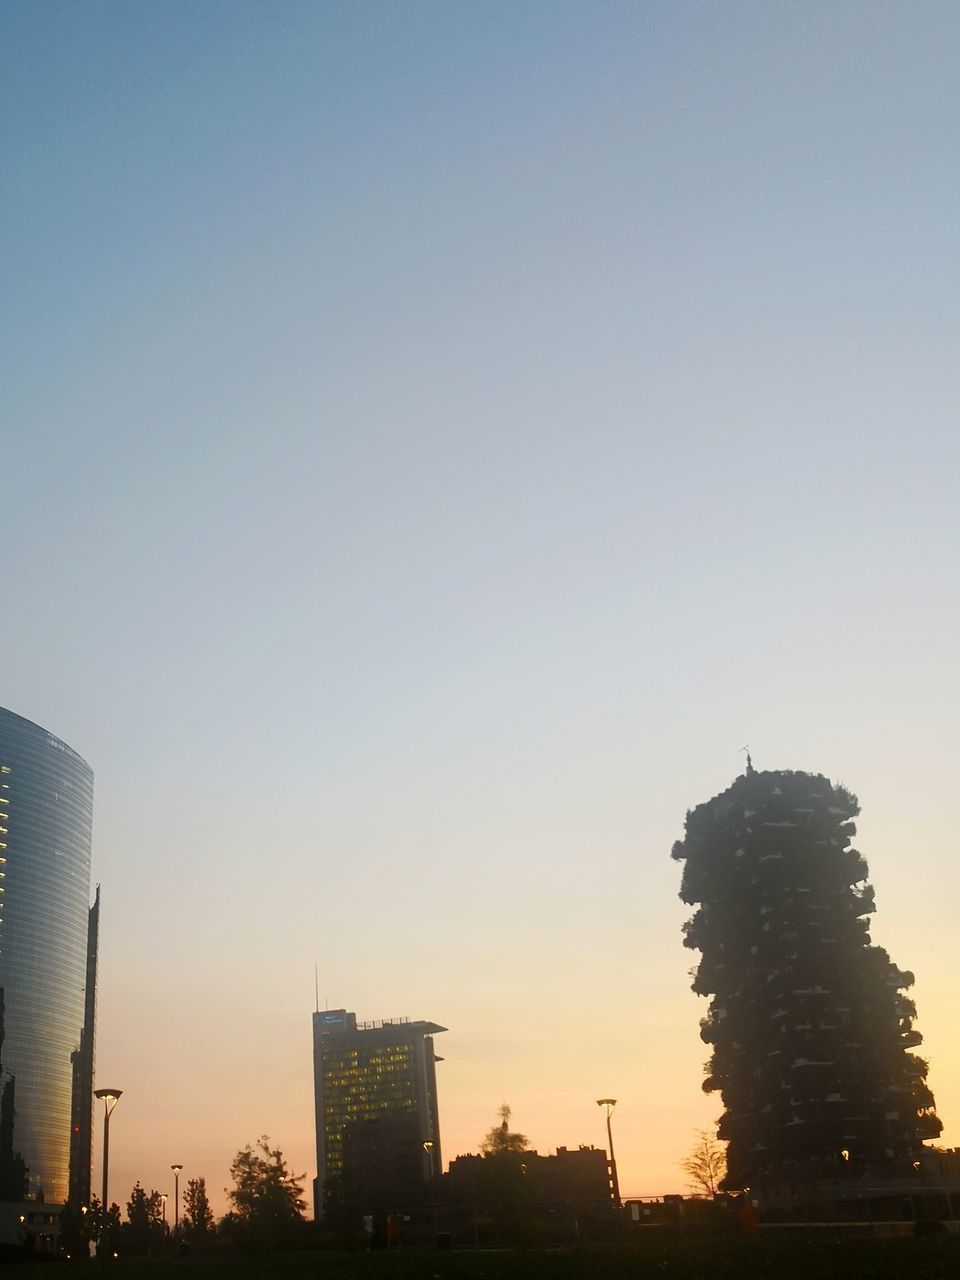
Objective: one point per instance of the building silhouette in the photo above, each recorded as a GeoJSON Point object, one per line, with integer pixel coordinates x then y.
{"type": "Point", "coordinates": [511, 1196]}
{"type": "Point", "coordinates": [48, 961]}
{"type": "Point", "coordinates": [84, 1063]}
{"type": "Point", "coordinates": [810, 1027]}
{"type": "Point", "coordinates": [378, 1130]}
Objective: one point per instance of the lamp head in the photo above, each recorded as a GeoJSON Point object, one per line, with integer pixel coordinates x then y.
{"type": "Point", "coordinates": [110, 1098]}
{"type": "Point", "coordinates": [609, 1103]}
{"type": "Point", "coordinates": [177, 1168]}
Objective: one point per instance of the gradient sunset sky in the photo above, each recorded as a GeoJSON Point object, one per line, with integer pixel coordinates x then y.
{"type": "Point", "coordinates": [436, 438]}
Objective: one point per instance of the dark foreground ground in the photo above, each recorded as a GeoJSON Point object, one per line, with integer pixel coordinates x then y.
{"type": "Point", "coordinates": [761, 1258]}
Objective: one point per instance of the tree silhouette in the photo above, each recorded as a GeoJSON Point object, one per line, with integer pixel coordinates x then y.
{"type": "Point", "coordinates": [706, 1163]}
{"type": "Point", "coordinates": [809, 1024]}
{"type": "Point", "coordinates": [267, 1200]}
{"type": "Point", "coordinates": [143, 1231]}
{"type": "Point", "coordinates": [103, 1226]}
{"type": "Point", "coordinates": [500, 1139]}
{"type": "Point", "coordinates": [506, 1189]}
{"type": "Point", "coordinates": [197, 1220]}
{"type": "Point", "coordinates": [82, 1224]}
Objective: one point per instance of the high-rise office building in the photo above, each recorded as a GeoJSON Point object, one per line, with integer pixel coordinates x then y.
{"type": "Point", "coordinates": [48, 962]}
{"type": "Point", "coordinates": [375, 1086]}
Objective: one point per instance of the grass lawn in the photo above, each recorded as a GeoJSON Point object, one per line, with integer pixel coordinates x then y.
{"type": "Point", "coordinates": [721, 1258]}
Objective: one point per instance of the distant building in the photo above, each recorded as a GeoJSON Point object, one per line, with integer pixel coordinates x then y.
{"type": "Point", "coordinates": [577, 1177]}
{"type": "Point", "coordinates": [511, 1197]}
{"type": "Point", "coordinates": [941, 1162]}
{"type": "Point", "coordinates": [375, 1089]}
{"type": "Point", "coordinates": [48, 961]}
{"type": "Point", "coordinates": [674, 1210]}
{"type": "Point", "coordinates": [580, 1177]}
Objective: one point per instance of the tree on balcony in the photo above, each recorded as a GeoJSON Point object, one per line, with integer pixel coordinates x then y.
{"type": "Point", "coordinates": [809, 1024]}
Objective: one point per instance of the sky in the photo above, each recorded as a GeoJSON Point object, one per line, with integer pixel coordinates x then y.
{"type": "Point", "coordinates": [436, 438]}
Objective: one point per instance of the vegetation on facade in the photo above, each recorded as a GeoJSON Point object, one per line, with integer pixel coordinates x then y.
{"type": "Point", "coordinates": [810, 1027]}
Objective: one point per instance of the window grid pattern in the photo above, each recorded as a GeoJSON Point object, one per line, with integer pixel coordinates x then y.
{"type": "Point", "coordinates": [361, 1084]}
{"type": "Point", "coordinates": [46, 803]}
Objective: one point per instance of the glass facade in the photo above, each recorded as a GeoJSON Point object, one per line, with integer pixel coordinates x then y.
{"type": "Point", "coordinates": [360, 1084]}
{"type": "Point", "coordinates": [46, 818]}
{"type": "Point", "coordinates": [370, 1073]}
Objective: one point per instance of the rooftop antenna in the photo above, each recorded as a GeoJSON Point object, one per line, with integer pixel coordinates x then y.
{"type": "Point", "coordinates": [749, 761]}
{"type": "Point", "coordinates": [316, 984]}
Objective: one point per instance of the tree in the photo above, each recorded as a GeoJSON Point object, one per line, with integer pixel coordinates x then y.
{"type": "Point", "coordinates": [75, 1230]}
{"type": "Point", "coordinates": [706, 1163]}
{"type": "Point", "coordinates": [499, 1139]}
{"type": "Point", "coordinates": [103, 1226]}
{"type": "Point", "coordinates": [267, 1200]}
{"type": "Point", "coordinates": [82, 1224]}
{"type": "Point", "coordinates": [505, 1185]}
{"type": "Point", "coordinates": [144, 1230]}
{"type": "Point", "coordinates": [197, 1220]}
{"type": "Point", "coordinates": [809, 1025]}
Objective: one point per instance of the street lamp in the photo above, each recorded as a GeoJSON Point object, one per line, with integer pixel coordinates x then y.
{"type": "Point", "coordinates": [177, 1170]}
{"type": "Point", "coordinates": [110, 1099]}
{"type": "Point", "coordinates": [163, 1204]}
{"type": "Point", "coordinates": [428, 1149]}
{"type": "Point", "coordinates": [609, 1104]}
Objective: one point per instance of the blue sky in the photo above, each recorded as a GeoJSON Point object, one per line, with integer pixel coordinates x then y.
{"type": "Point", "coordinates": [436, 437]}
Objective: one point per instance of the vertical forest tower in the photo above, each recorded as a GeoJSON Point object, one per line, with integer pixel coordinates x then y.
{"type": "Point", "coordinates": [809, 1025]}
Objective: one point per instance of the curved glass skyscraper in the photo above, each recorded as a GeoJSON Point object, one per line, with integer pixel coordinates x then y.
{"type": "Point", "coordinates": [47, 966]}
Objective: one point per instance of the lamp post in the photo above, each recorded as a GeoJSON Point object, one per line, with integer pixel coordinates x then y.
{"type": "Point", "coordinates": [177, 1170]}
{"type": "Point", "coordinates": [110, 1099]}
{"type": "Point", "coordinates": [608, 1104]}
{"type": "Point", "coordinates": [163, 1204]}
{"type": "Point", "coordinates": [432, 1174]}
